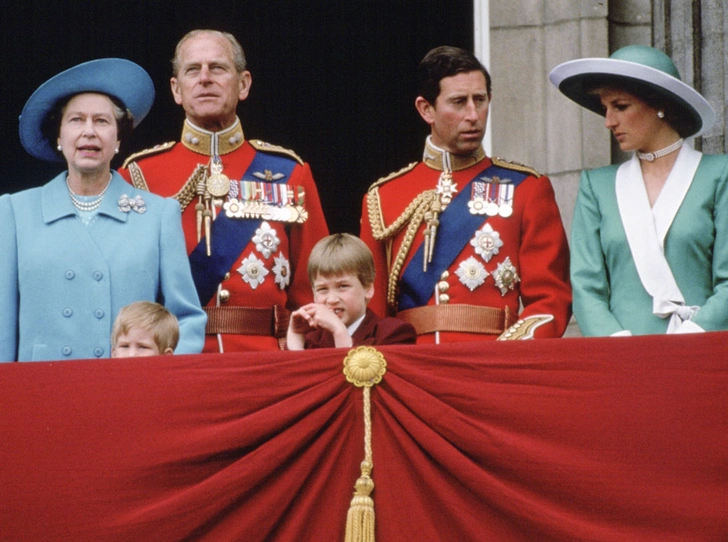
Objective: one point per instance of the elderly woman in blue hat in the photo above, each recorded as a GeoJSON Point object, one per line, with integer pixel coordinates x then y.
{"type": "Point", "coordinates": [79, 248]}
{"type": "Point", "coordinates": [649, 240]}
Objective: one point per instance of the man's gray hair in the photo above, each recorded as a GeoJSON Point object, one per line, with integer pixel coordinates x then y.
{"type": "Point", "coordinates": [238, 53]}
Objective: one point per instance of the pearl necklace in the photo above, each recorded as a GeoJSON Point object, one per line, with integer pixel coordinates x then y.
{"type": "Point", "coordinates": [652, 156]}
{"type": "Point", "coordinates": [87, 205]}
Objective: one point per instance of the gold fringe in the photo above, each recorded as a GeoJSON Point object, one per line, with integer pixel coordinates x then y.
{"type": "Point", "coordinates": [360, 518]}
{"type": "Point", "coordinates": [364, 366]}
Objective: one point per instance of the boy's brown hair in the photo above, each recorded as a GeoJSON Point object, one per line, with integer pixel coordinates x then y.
{"type": "Point", "coordinates": [341, 253]}
{"type": "Point", "coordinates": [151, 317]}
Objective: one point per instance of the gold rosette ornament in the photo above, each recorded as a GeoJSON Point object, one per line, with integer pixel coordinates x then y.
{"type": "Point", "coordinates": [364, 367]}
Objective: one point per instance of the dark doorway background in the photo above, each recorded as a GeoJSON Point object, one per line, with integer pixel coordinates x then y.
{"type": "Point", "coordinates": [332, 80]}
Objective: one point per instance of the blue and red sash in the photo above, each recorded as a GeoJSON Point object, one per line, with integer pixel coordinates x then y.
{"type": "Point", "coordinates": [229, 236]}
{"type": "Point", "coordinates": [457, 224]}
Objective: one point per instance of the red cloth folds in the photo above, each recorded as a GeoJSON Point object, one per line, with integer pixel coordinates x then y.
{"type": "Point", "coordinates": [556, 439]}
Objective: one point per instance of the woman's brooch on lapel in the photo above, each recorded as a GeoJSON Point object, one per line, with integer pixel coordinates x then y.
{"type": "Point", "coordinates": [126, 204]}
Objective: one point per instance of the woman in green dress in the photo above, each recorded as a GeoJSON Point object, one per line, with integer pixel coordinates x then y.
{"type": "Point", "coordinates": [649, 240]}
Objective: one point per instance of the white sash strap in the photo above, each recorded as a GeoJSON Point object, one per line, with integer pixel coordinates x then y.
{"type": "Point", "coordinates": [647, 227]}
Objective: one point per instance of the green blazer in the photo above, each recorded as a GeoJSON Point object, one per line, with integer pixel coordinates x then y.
{"type": "Point", "coordinates": [608, 294]}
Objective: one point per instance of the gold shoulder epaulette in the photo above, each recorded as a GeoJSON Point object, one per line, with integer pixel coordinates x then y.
{"type": "Point", "coordinates": [259, 145]}
{"type": "Point", "coordinates": [515, 166]}
{"type": "Point", "coordinates": [393, 175]}
{"type": "Point", "coordinates": [148, 152]}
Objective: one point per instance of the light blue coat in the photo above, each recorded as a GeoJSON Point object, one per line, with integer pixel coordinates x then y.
{"type": "Point", "coordinates": [62, 283]}
{"type": "Point", "coordinates": [608, 294]}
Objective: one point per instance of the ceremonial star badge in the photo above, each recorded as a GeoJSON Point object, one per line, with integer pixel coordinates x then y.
{"type": "Point", "coordinates": [472, 273]}
{"type": "Point", "coordinates": [253, 271]}
{"type": "Point", "coordinates": [506, 276]}
{"type": "Point", "coordinates": [282, 271]}
{"type": "Point", "coordinates": [266, 240]}
{"type": "Point", "coordinates": [487, 242]}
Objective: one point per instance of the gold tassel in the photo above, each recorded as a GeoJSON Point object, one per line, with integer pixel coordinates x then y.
{"type": "Point", "coordinates": [364, 366]}
{"type": "Point", "coordinates": [360, 518]}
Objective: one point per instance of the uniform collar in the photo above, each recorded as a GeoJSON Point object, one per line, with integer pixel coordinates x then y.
{"type": "Point", "coordinates": [438, 158]}
{"type": "Point", "coordinates": [212, 143]}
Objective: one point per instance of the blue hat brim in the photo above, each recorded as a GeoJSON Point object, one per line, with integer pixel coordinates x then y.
{"type": "Point", "coordinates": [573, 78]}
{"type": "Point", "coordinates": [122, 79]}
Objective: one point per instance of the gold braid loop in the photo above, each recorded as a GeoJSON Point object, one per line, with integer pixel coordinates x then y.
{"type": "Point", "coordinates": [189, 189]}
{"type": "Point", "coordinates": [415, 214]}
{"type": "Point", "coordinates": [409, 238]}
{"type": "Point", "coordinates": [137, 177]}
{"type": "Point", "coordinates": [183, 196]}
{"type": "Point", "coordinates": [379, 231]}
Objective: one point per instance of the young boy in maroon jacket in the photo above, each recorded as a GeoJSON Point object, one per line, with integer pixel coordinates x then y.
{"type": "Point", "coordinates": [341, 271]}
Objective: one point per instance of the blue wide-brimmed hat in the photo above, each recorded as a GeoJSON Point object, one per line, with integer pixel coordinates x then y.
{"type": "Point", "coordinates": [122, 79]}
{"type": "Point", "coordinates": [634, 66]}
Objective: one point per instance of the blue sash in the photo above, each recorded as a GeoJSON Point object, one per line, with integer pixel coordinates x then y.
{"type": "Point", "coordinates": [229, 236]}
{"type": "Point", "coordinates": [416, 286]}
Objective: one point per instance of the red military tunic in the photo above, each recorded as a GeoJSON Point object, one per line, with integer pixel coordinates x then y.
{"type": "Point", "coordinates": [516, 265]}
{"type": "Point", "coordinates": [263, 275]}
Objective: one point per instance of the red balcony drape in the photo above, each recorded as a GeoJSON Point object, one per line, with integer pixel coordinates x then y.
{"type": "Point", "coordinates": [565, 439]}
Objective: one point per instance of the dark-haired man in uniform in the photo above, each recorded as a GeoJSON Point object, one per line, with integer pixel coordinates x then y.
{"type": "Point", "coordinates": [250, 210]}
{"type": "Point", "coordinates": [466, 247]}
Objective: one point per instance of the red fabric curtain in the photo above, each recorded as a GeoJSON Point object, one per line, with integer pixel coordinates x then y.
{"type": "Point", "coordinates": [565, 439]}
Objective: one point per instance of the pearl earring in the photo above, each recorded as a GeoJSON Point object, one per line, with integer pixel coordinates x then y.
{"type": "Point", "coordinates": [117, 151]}
{"type": "Point", "coordinates": [59, 148]}
{"type": "Point", "coordinates": [661, 114]}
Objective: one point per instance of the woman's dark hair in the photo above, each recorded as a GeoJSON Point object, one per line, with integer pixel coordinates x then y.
{"type": "Point", "coordinates": [676, 113]}
{"type": "Point", "coordinates": [446, 61]}
{"type": "Point", "coordinates": [51, 125]}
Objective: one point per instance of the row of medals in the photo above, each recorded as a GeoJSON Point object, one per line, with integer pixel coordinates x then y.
{"type": "Point", "coordinates": [219, 185]}
{"type": "Point", "coordinates": [491, 199]}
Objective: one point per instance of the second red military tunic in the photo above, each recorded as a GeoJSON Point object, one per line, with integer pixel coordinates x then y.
{"type": "Point", "coordinates": [269, 273]}
{"type": "Point", "coordinates": [515, 261]}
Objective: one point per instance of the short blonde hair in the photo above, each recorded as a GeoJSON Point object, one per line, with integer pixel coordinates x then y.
{"type": "Point", "coordinates": [151, 317]}
{"type": "Point", "coordinates": [341, 253]}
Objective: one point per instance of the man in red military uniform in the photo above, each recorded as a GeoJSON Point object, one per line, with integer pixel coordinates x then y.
{"type": "Point", "coordinates": [466, 247]}
{"type": "Point", "coordinates": [250, 210]}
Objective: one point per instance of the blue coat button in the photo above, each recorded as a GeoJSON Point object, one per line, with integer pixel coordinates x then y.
{"type": "Point", "coordinates": [99, 314]}
{"type": "Point", "coordinates": [98, 351]}
{"type": "Point", "coordinates": [66, 350]}
{"type": "Point", "coordinates": [70, 274]}
{"type": "Point", "coordinates": [98, 275]}
{"type": "Point", "coordinates": [67, 312]}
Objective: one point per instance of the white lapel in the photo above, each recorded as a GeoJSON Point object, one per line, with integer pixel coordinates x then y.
{"type": "Point", "coordinates": [646, 229]}
{"type": "Point", "coordinates": [676, 186]}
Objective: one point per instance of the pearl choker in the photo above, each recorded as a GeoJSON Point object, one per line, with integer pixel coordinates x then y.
{"type": "Point", "coordinates": [652, 156]}
{"type": "Point", "coordinates": [87, 205]}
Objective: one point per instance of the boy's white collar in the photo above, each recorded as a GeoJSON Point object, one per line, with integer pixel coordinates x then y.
{"type": "Point", "coordinates": [353, 327]}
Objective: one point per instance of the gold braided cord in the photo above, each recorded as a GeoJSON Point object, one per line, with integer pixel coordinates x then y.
{"type": "Point", "coordinates": [189, 189]}
{"type": "Point", "coordinates": [404, 248]}
{"type": "Point", "coordinates": [413, 215]}
{"type": "Point", "coordinates": [137, 177]}
{"type": "Point", "coordinates": [379, 231]}
{"type": "Point", "coordinates": [185, 194]}
{"type": "Point", "coordinates": [364, 367]}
